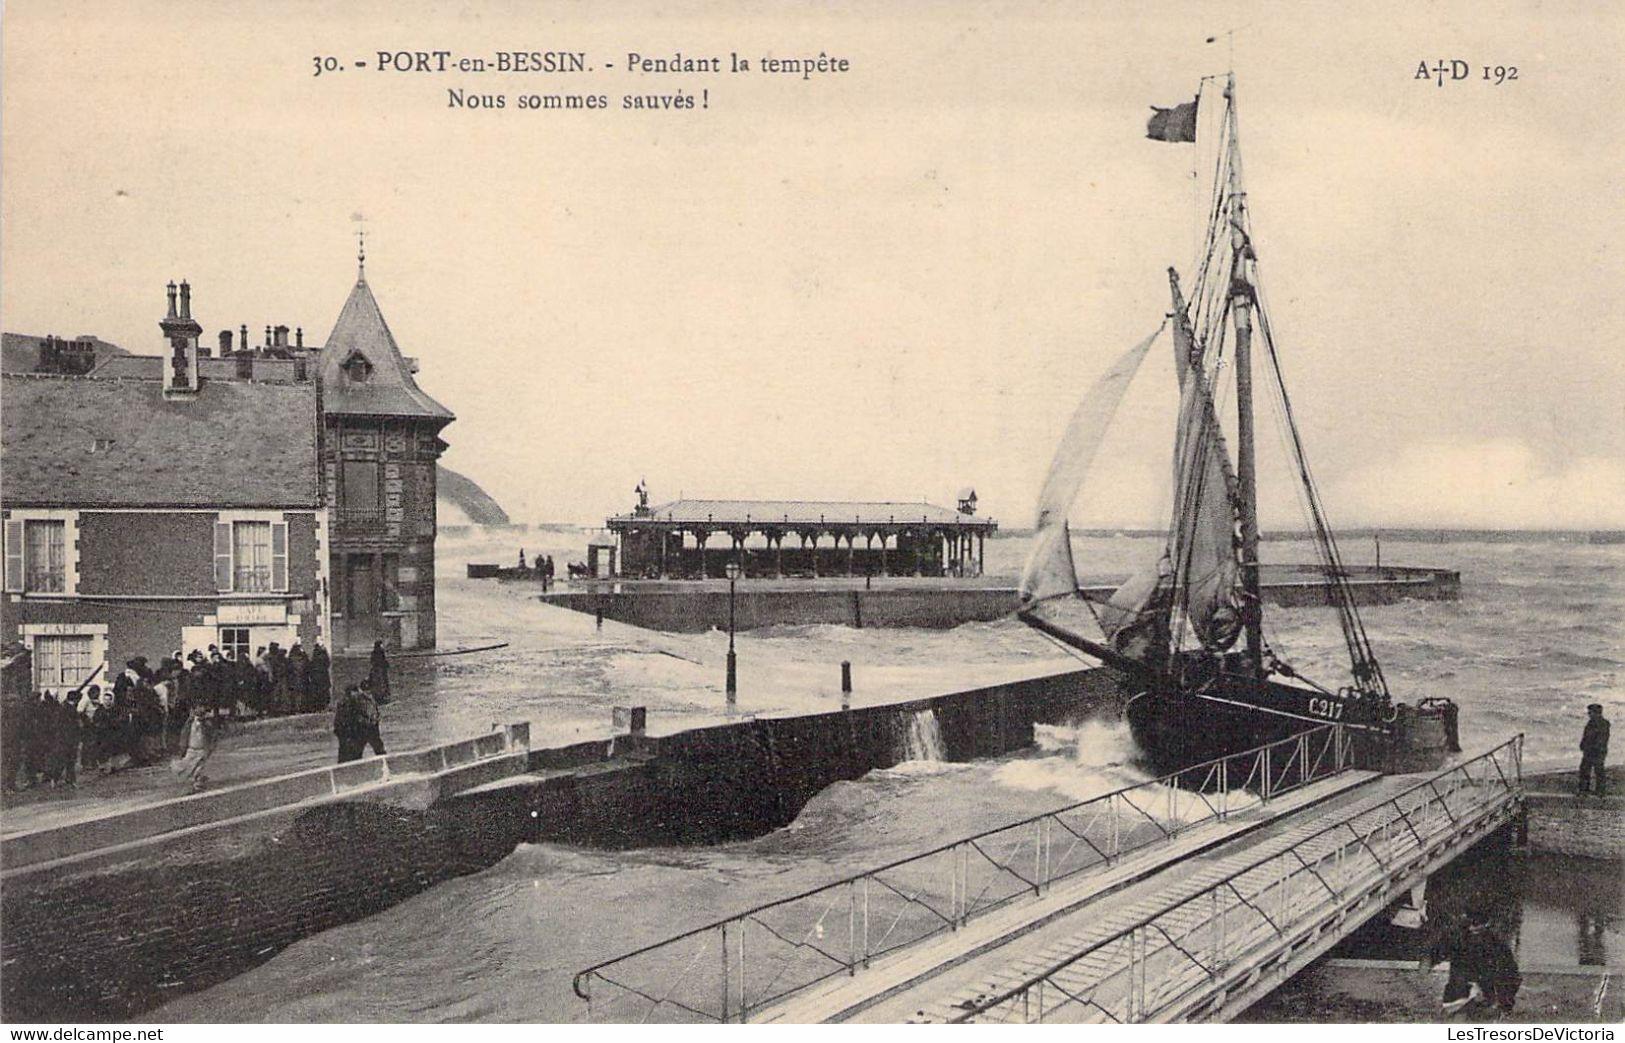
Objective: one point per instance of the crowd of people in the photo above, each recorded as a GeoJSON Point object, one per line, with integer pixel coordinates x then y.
{"type": "Point", "coordinates": [146, 715]}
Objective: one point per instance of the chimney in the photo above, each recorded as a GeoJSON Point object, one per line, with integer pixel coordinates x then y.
{"type": "Point", "coordinates": [181, 363]}
{"type": "Point", "coordinates": [281, 334]}
{"type": "Point", "coordinates": [267, 336]}
{"type": "Point", "coordinates": [225, 343]}
{"type": "Point", "coordinates": [242, 340]}
{"type": "Point", "coordinates": [299, 337]}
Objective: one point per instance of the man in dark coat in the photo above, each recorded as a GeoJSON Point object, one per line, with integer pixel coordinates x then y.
{"type": "Point", "coordinates": [1482, 967]}
{"type": "Point", "coordinates": [319, 678]}
{"type": "Point", "coordinates": [355, 723]}
{"type": "Point", "coordinates": [16, 682]}
{"type": "Point", "coordinates": [298, 670]}
{"type": "Point", "coordinates": [378, 675]}
{"type": "Point", "coordinates": [1594, 751]}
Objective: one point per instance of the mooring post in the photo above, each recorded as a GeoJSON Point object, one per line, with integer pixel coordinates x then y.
{"type": "Point", "coordinates": [846, 683]}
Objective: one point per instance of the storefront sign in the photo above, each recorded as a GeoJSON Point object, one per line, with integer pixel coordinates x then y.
{"type": "Point", "coordinates": [234, 614]}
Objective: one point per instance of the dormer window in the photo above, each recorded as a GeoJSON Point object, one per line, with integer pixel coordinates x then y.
{"type": "Point", "coordinates": [357, 368]}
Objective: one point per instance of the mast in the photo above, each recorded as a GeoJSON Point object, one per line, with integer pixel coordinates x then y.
{"type": "Point", "coordinates": [1241, 303]}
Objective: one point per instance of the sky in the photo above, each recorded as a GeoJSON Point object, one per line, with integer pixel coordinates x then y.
{"type": "Point", "coordinates": [884, 283]}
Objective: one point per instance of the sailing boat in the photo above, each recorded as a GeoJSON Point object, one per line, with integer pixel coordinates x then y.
{"type": "Point", "coordinates": [1187, 633]}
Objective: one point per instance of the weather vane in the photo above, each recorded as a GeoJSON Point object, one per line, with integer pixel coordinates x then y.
{"type": "Point", "coordinates": [361, 242]}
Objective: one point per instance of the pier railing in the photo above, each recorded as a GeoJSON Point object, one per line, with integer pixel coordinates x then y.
{"type": "Point", "coordinates": [733, 967]}
{"type": "Point", "coordinates": [1183, 959]}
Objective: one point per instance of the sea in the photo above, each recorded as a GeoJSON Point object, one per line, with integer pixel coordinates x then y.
{"type": "Point", "coordinates": [1538, 633]}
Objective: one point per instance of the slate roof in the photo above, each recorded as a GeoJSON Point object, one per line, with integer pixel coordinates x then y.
{"type": "Point", "coordinates": [88, 441]}
{"type": "Point", "coordinates": [151, 367]}
{"type": "Point", "coordinates": [389, 389]}
{"type": "Point", "coordinates": [803, 512]}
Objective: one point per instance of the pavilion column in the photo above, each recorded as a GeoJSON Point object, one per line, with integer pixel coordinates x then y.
{"type": "Point", "coordinates": [851, 540]}
{"type": "Point", "coordinates": [699, 539]}
{"type": "Point", "coordinates": [665, 538]}
{"type": "Point", "coordinates": [919, 553]}
{"type": "Point", "coordinates": [815, 554]}
{"type": "Point", "coordinates": [883, 554]}
{"type": "Point", "coordinates": [981, 553]}
{"type": "Point", "coordinates": [778, 557]}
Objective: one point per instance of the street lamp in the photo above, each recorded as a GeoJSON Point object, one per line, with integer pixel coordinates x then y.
{"type": "Point", "coordinates": [732, 569]}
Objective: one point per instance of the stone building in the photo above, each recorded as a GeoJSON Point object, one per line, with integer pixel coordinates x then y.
{"type": "Point", "coordinates": [155, 511]}
{"type": "Point", "coordinates": [381, 442]}
{"type": "Point", "coordinates": [339, 438]}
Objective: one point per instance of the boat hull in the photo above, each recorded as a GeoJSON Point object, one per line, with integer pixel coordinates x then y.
{"type": "Point", "coordinates": [1175, 729]}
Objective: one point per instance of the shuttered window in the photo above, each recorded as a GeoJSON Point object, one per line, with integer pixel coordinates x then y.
{"type": "Point", "coordinates": [36, 556]}
{"type": "Point", "coordinates": [45, 561]}
{"type": "Point", "coordinates": [251, 557]}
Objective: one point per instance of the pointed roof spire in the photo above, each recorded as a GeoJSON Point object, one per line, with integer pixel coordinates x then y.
{"type": "Point", "coordinates": [384, 387]}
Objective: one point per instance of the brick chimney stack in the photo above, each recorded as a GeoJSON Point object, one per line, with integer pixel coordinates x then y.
{"type": "Point", "coordinates": [225, 343]}
{"type": "Point", "coordinates": [181, 378]}
{"type": "Point", "coordinates": [299, 337]}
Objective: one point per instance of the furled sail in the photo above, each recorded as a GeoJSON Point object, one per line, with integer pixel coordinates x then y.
{"type": "Point", "coordinates": [1050, 571]}
{"type": "Point", "coordinates": [1204, 548]}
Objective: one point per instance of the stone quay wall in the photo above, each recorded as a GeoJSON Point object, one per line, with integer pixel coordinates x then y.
{"type": "Point", "coordinates": [106, 933]}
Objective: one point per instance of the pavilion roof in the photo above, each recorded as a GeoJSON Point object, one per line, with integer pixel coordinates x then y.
{"type": "Point", "coordinates": [727, 513]}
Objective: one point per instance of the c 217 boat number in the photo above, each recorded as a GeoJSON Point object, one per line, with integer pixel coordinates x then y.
{"type": "Point", "coordinates": [1331, 709]}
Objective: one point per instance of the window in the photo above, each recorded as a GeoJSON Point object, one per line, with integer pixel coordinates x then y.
{"type": "Point", "coordinates": [359, 499]}
{"type": "Point", "coordinates": [251, 557]}
{"type": "Point", "coordinates": [43, 554]}
{"type": "Point", "coordinates": [41, 557]}
{"type": "Point", "coordinates": [62, 660]}
{"type": "Point", "coordinates": [234, 642]}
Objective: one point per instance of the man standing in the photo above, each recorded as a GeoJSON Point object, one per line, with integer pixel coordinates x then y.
{"type": "Point", "coordinates": [200, 743]}
{"type": "Point", "coordinates": [355, 723]}
{"type": "Point", "coordinates": [378, 674]}
{"type": "Point", "coordinates": [320, 678]}
{"type": "Point", "coordinates": [1594, 750]}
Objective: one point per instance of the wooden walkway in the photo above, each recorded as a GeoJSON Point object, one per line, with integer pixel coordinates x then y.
{"type": "Point", "coordinates": [1187, 898]}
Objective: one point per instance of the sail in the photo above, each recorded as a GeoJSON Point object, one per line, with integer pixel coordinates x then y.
{"type": "Point", "coordinates": [1049, 571]}
{"type": "Point", "coordinates": [1203, 546]}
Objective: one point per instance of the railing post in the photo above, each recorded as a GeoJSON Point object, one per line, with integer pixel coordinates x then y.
{"type": "Point", "coordinates": [1038, 857]}
{"type": "Point", "coordinates": [724, 974]}
{"type": "Point", "coordinates": [866, 921]}
{"type": "Point", "coordinates": [1224, 789]}
{"type": "Point", "coordinates": [1303, 758]}
{"type": "Point", "coordinates": [1264, 788]}
{"type": "Point", "coordinates": [852, 928]}
{"type": "Point", "coordinates": [744, 1007]}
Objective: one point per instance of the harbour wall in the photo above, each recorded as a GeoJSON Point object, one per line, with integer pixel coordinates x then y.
{"type": "Point", "coordinates": [940, 604]}
{"type": "Point", "coordinates": [1566, 823]}
{"type": "Point", "coordinates": [108, 932]}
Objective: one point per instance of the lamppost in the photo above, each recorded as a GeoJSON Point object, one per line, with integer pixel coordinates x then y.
{"type": "Point", "coordinates": [732, 570]}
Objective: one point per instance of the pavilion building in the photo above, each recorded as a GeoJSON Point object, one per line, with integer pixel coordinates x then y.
{"type": "Point", "coordinates": [695, 539]}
